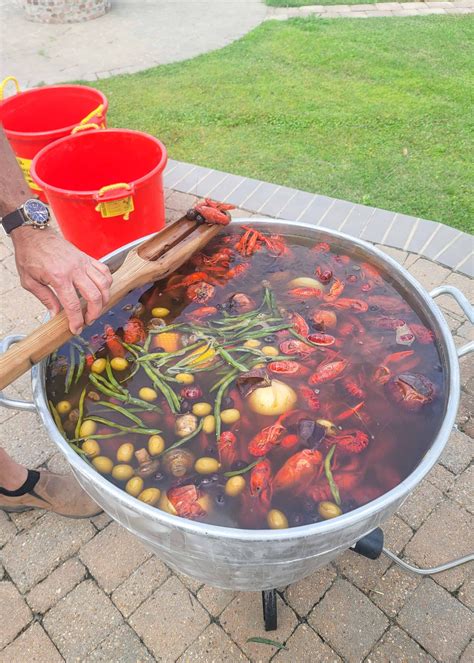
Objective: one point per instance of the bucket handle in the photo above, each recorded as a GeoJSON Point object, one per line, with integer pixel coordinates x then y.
{"type": "Point", "coordinates": [97, 113]}
{"type": "Point", "coordinates": [4, 83]}
{"type": "Point", "coordinates": [81, 127]}
{"type": "Point", "coordinates": [116, 204]}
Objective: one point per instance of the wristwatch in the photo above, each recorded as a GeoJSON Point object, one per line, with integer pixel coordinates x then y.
{"type": "Point", "coordinates": [32, 213]}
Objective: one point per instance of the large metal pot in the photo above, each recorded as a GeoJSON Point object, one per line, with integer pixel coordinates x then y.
{"type": "Point", "coordinates": [264, 559]}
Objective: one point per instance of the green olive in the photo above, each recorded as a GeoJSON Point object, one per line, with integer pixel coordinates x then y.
{"type": "Point", "coordinates": [147, 394]}
{"type": "Point", "coordinates": [276, 519]}
{"type": "Point", "coordinates": [122, 472]}
{"type": "Point", "coordinates": [119, 363]}
{"type": "Point", "coordinates": [98, 366]}
{"type": "Point", "coordinates": [134, 486]}
{"type": "Point", "coordinates": [63, 407]}
{"type": "Point", "coordinates": [209, 424]}
{"type": "Point", "coordinates": [125, 452]}
{"type": "Point", "coordinates": [87, 428]}
{"type": "Point", "coordinates": [150, 496]}
{"type": "Point", "coordinates": [270, 351]}
{"type": "Point", "coordinates": [202, 409]}
{"type": "Point", "coordinates": [206, 465]}
{"type": "Point", "coordinates": [331, 429]}
{"type": "Point", "coordinates": [234, 486]}
{"type": "Point", "coordinates": [230, 416]}
{"type": "Point", "coordinates": [329, 510]}
{"type": "Point", "coordinates": [103, 464]}
{"type": "Point", "coordinates": [156, 445]}
{"type": "Point", "coordinates": [184, 378]}
{"type": "Point", "coordinates": [91, 448]}
{"type": "Point", "coordinates": [252, 343]}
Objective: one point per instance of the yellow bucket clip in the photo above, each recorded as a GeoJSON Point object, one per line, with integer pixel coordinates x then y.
{"type": "Point", "coordinates": [116, 204]}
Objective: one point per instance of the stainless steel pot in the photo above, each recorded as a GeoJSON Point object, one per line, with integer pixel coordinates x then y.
{"type": "Point", "coordinates": [263, 559]}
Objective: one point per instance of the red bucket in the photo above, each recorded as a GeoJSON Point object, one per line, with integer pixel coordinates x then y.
{"type": "Point", "coordinates": [105, 188]}
{"type": "Point", "coordinates": [35, 118]}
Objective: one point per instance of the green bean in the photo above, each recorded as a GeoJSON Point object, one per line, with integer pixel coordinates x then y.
{"type": "Point", "coordinates": [168, 393]}
{"type": "Point", "coordinates": [218, 402]}
{"type": "Point", "coordinates": [169, 355]}
{"type": "Point", "coordinates": [70, 369]}
{"type": "Point", "coordinates": [263, 332]}
{"type": "Point", "coordinates": [243, 470]}
{"type": "Point", "coordinates": [120, 410]}
{"type": "Point", "coordinates": [121, 397]}
{"type": "Point", "coordinates": [80, 368]}
{"type": "Point", "coordinates": [126, 429]}
{"type": "Point", "coordinates": [303, 339]}
{"type": "Point", "coordinates": [183, 440]}
{"type": "Point", "coordinates": [166, 328]}
{"type": "Point", "coordinates": [230, 360]}
{"type": "Point", "coordinates": [134, 370]}
{"type": "Point", "coordinates": [81, 412]}
{"type": "Point", "coordinates": [132, 351]}
{"type": "Point", "coordinates": [329, 476]}
{"type": "Point", "coordinates": [113, 381]}
{"type": "Point", "coordinates": [222, 380]}
{"type": "Point", "coordinates": [57, 419]}
{"type": "Point", "coordinates": [101, 436]}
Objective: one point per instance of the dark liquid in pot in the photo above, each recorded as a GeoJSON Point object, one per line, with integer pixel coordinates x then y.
{"type": "Point", "coordinates": [374, 410]}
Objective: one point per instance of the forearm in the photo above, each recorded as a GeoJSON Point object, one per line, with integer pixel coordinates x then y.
{"type": "Point", "coordinates": [13, 188]}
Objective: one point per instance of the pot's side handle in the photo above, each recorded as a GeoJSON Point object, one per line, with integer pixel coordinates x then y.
{"type": "Point", "coordinates": [463, 302]}
{"type": "Point", "coordinates": [4, 400]}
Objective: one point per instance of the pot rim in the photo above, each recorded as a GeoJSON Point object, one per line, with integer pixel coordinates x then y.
{"type": "Point", "coordinates": [357, 516]}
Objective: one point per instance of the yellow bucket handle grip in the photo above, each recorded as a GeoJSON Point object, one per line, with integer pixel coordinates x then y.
{"type": "Point", "coordinates": [6, 81]}
{"type": "Point", "coordinates": [114, 187]}
{"type": "Point", "coordinates": [97, 112]}
{"type": "Point", "coordinates": [81, 127]}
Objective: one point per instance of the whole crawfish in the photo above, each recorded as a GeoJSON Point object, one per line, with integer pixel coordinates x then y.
{"type": "Point", "coordinates": [226, 447]}
{"type": "Point", "coordinates": [210, 211]}
{"type": "Point", "coordinates": [113, 342]}
{"type": "Point", "coordinates": [134, 331]}
{"type": "Point", "coordinates": [261, 482]}
{"type": "Point", "coordinates": [298, 471]}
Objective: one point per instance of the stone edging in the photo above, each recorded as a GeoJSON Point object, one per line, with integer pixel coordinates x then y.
{"type": "Point", "coordinates": [429, 239]}
{"type": "Point", "coordinates": [379, 9]}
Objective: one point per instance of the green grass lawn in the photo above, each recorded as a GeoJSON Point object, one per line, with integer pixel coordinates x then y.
{"type": "Point", "coordinates": [303, 3]}
{"type": "Point", "coordinates": [375, 111]}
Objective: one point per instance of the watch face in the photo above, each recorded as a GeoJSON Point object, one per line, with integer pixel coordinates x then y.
{"type": "Point", "coordinates": [37, 212]}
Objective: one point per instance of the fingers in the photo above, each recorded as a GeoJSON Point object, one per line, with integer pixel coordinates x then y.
{"type": "Point", "coordinates": [44, 294]}
{"type": "Point", "coordinates": [101, 279]}
{"type": "Point", "coordinates": [69, 299]}
{"type": "Point", "coordinates": [91, 294]}
{"type": "Point", "coordinates": [104, 270]}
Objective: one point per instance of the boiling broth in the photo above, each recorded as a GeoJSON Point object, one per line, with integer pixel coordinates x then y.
{"type": "Point", "coordinates": [362, 386]}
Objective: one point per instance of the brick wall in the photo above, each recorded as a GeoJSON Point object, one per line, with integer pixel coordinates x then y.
{"type": "Point", "coordinates": [65, 11]}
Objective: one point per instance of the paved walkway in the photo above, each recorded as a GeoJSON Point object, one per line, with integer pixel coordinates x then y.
{"type": "Point", "coordinates": [87, 591]}
{"type": "Point", "coordinates": [133, 36]}
{"type": "Point", "coordinates": [136, 35]}
{"type": "Point", "coordinates": [377, 10]}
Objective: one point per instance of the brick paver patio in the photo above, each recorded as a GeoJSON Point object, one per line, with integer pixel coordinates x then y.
{"type": "Point", "coordinates": [88, 591]}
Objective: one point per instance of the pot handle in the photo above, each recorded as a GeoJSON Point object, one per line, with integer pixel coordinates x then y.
{"type": "Point", "coordinates": [5, 401]}
{"type": "Point", "coordinates": [463, 302]}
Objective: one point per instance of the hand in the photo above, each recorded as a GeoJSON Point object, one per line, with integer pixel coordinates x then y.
{"type": "Point", "coordinates": [55, 272]}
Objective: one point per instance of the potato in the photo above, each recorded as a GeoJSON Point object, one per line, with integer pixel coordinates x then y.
{"type": "Point", "coordinates": [273, 400]}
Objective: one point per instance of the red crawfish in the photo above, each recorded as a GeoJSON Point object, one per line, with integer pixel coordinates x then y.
{"type": "Point", "coordinates": [266, 439]}
{"type": "Point", "coordinates": [353, 387]}
{"type": "Point", "coordinates": [319, 338]}
{"type": "Point", "coordinates": [195, 277]}
{"type": "Point", "coordinates": [221, 258]}
{"type": "Point", "coordinates": [298, 471]}
{"type": "Point", "coordinates": [388, 304]}
{"type": "Point", "coordinates": [238, 270]}
{"type": "Point", "coordinates": [352, 441]}
{"type": "Point", "coordinates": [211, 211]}
{"type": "Point", "coordinates": [113, 342]}
{"type": "Point", "coordinates": [422, 333]}
{"type": "Point", "coordinates": [201, 312]}
{"type": "Point", "coordinates": [134, 331]}
{"type": "Point", "coordinates": [382, 373]}
{"type": "Point", "coordinates": [299, 324]}
{"type": "Point", "coordinates": [371, 275]}
{"type": "Point", "coordinates": [188, 501]}
{"type": "Point", "coordinates": [387, 322]}
{"type": "Point", "coordinates": [250, 242]}
{"type": "Point", "coordinates": [324, 319]}
{"type": "Point", "coordinates": [344, 303]}
{"type": "Point", "coordinates": [310, 399]}
{"type": "Point", "coordinates": [296, 347]}
{"type": "Point", "coordinates": [321, 247]}
{"type": "Point", "coordinates": [306, 293]}
{"type": "Point", "coordinates": [328, 370]}
{"type": "Point", "coordinates": [345, 478]}
{"type": "Point", "coordinates": [277, 245]}
{"type": "Point", "coordinates": [261, 482]}
{"type": "Point", "coordinates": [226, 447]}
{"type": "Point", "coordinates": [335, 291]}
{"type": "Point", "coordinates": [323, 275]}
{"type": "Point", "coordinates": [288, 368]}
{"type": "Point", "coordinates": [349, 412]}
{"type": "Point", "coordinates": [200, 292]}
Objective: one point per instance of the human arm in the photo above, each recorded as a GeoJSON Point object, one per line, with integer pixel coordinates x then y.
{"type": "Point", "coordinates": [49, 267]}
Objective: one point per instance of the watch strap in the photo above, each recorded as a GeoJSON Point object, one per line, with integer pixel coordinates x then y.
{"type": "Point", "coordinates": [13, 220]}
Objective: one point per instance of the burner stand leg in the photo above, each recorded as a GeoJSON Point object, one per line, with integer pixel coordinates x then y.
{"type": "Point", "coordinates": [269, 604]}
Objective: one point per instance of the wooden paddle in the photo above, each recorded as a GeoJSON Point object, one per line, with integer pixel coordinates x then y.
{"type": "Point", "coordinates": [154, 259]}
